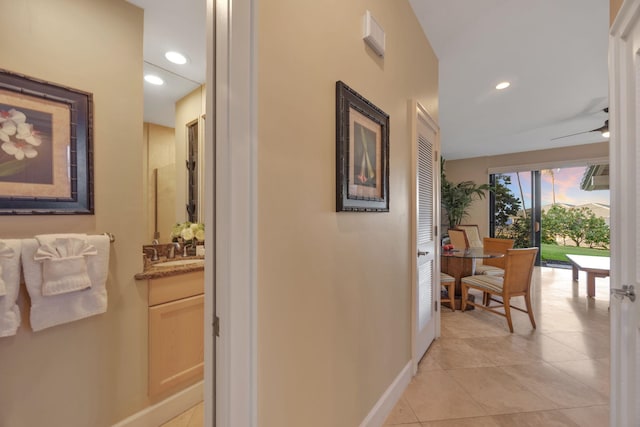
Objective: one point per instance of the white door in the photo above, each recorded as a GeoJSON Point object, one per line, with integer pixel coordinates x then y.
{"type": "Point", "coordinates": [232, 102]}
{"type": "Point", "coordinates": [624, 122]}
{"type": "Point", "coordinates": [427, 167]}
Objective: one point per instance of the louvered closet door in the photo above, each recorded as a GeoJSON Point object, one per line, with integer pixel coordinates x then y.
{"type": "Point", "coordinates": [426, 250]}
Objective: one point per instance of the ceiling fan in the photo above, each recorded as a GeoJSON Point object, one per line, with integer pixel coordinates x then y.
{"type": "Point", "coordinates": [604, 130]}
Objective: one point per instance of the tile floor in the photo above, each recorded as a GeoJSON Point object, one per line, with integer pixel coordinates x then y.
{"type": "Point", "coordinates": [477, 374]}
{"type": "Point", "coordinates": [194, 417]}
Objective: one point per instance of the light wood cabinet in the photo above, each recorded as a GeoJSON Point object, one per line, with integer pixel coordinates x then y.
{"type": "Point", "coordinates": [176, 332]}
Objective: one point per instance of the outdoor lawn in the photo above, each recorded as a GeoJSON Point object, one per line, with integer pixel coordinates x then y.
{"type": "Point", "coordinates": [558, 252]}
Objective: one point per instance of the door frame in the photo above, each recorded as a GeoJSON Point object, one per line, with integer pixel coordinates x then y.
{"type": "Point", "coordinates": [231, 389]}
{"type": "Point", "coordinates": [623, 119]}
{"type": "Point", "coordinates": [418, 110]}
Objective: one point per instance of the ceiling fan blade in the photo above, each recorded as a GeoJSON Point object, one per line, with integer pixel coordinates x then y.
{"type": "Point", "coordinates": [601, 129]}
{"type": "Point", "coordinates": [572, 134]}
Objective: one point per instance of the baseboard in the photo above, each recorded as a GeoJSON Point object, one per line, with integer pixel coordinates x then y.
{"type": "Point", "coordinates": [161, 412]}
{"type": "Point", "coordinates": [388, 400]}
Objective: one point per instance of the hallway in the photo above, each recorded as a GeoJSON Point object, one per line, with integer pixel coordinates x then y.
{"type": "Point", "coordinates": [478, 374]}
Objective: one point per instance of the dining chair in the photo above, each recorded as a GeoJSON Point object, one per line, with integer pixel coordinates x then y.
{"type": "Point", "coordinates": [475, 241]}
{"type": "Point", "coordinates": [458, 239]}
{"type": "Point", "coordinates": [473, 234]}
{"type": "Point", "coordinates": [449, 283]}
{"type": "Point", "coordinates": [494, 266]}
{"type": "Point", "coordinates": [518, 271]}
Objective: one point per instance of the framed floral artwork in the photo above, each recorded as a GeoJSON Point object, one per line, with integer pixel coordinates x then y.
{"type": "Point", "coordinates": [46, 157]}
{"type": "Point", "coordinates": [362, 153]}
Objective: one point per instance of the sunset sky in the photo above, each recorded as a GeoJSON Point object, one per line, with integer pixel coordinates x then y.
{"type": "Point", "coordinates": [567, 183]}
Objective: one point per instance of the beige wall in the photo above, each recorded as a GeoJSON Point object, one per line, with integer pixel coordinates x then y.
{"type": "Point", "coordinates": [477, 169]}
{"type": "Point", "coordinates": [614, 8]}
{"type": "Point", "coordinates": [91, 372]}
{"type": "Point", "coordinates": [334, 289]}
{"type": "Point", "coordinates": [160, 149]}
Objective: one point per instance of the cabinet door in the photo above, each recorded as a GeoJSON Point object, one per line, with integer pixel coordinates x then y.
{"type": "Point", "coordinates": [176, 344]}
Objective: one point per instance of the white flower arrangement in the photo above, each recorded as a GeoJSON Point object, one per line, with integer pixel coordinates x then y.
{"type": "Point", "coordinates": [188, 231]}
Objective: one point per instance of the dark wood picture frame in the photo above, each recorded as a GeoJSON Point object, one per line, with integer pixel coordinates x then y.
{"type": "Point", "coordinates": [46, 147]}
{"type": "Point", "coordinates": [362, 153]}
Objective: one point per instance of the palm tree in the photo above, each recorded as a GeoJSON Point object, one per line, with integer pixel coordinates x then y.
{"type": "Point", "coordinates": [524, 206]}
{"type": "Point", "coordinates": [551, 173]}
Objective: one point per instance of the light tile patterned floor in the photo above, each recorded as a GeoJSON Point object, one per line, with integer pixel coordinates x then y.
{"type": "Point", "coordinates": [478, 374]}
{"type": "Point", "coordinates": [194, 417]}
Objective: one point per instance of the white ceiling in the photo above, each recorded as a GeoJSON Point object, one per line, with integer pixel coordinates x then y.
{"type": "Point", "coordinates": [554, 52]}
{"type": "Point", "coordinates": [178, 26]}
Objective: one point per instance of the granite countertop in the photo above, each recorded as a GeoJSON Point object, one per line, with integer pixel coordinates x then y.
{"type": "Point", "coordinates": [155, 269]}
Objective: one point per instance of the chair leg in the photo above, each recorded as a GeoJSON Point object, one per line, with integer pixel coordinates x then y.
{"type": "Point", "coordinates": [486, 298]}
{"type": "Point", "coordinates": [451, 290]}
{"type": "Point", "coordinates": [507, 312]}
{"type": "Point", "coordinates": [463, 301]}
{"type": "Point", "coordinates": [527, 300]}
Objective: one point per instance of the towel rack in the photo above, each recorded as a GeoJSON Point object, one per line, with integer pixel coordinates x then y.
{"type": "Point", "coordinates": [111, 236]}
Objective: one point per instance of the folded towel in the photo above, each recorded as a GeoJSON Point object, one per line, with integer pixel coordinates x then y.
{"type": "Point", "coordinates": [64, 266]}
{"type": "Point", "coordinates": [10, 282]}
{"type": "Point", "coordinates": [5, 252]}
{"type": "Point", "coordinates": [56, 309]}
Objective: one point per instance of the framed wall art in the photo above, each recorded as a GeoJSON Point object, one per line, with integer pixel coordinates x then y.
{"type": "Point", "coordinates": [46, 157]}
{"type": "Point", "coordinates": [362, 153]}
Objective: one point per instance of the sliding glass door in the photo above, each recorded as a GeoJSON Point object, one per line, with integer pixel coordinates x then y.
{"type": "Point", "coordinates": [515, 208]}
{"type": "Point", "coordinates": [560, 211]}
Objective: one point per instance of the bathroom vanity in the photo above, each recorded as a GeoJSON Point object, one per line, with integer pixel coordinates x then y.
{"type": "Point", "coordinates": [176, 325]}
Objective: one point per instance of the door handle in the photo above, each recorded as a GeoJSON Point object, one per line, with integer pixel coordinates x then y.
{"type": "Point", "coordinates": [626, 291]}
{"type": "Point", "coordinates": [422, 253]}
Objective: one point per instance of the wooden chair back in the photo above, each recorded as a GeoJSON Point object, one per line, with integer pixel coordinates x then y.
{"type": "Point", "coordinates": [518, 270]}
{"type": "Point", "coordinates": [500, 246]}
{"type": "Point", "coordinates": [458, 239]}
{"type": "Point", "coordinates": [473, 234]}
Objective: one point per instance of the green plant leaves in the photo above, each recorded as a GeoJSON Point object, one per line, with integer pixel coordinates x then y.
{"type": "Point", "coordinates": [457, 198]}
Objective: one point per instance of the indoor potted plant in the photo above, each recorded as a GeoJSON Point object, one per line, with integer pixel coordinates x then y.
{"type": "Point", "coordinates": [457, 198]}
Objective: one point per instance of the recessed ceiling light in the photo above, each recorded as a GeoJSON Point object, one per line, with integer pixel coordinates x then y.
{"type": "Point", "coordinates": [606, 134]}
{"type": "Point", "coordinates": [153, 79]}
{"type": "Point", "coordinates": [176, 58]}
{"type": "Point", "coordinates": [503, 85]}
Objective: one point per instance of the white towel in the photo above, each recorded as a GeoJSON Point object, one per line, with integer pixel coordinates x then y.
{"type": "Point", "coordinates": [5, 252]}
{"type": "Point", "coordinates": [10, 278]}
{"type": "Point", "coordinates": [47, 311]}
{"type": "Point", "coordinates": [64, 264]}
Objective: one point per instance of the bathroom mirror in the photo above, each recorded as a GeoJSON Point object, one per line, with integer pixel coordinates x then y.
{"type": "Point", "coordinates": [173, 114]}
{"type": "Point", "coordinates": [174, 168]}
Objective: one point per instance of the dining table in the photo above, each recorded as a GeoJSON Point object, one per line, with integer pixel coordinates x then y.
{"type": "Point", "coordinates": [462, 263]}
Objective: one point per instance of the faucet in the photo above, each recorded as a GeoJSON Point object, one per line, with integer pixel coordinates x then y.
{"type": "Point", "coordinates": [186, 245]}
{"type": "Point", "coordinates": [175, 246]}
{"type": "Point", "coordinates": [155, 250]}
